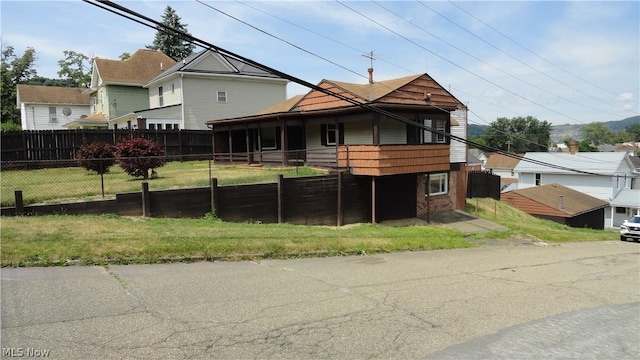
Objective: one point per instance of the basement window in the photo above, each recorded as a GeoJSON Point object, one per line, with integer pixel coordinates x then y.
{"type": "Point", "coordinates": [438, 184]}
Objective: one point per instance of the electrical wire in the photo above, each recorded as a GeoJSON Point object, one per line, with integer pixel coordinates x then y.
{"type": "Point", "coordinates": [158, 26]}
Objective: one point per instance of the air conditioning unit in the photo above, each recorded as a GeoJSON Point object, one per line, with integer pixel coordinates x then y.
{"type": "Point", "coordinates": [53, 120]}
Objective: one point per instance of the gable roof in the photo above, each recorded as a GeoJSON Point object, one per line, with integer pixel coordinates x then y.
{"type": "Point", "coordinates": [37, 94]}
{"type": "Point", "coordinates": [418, 89]}
{"type": "Point", "coordinates": [557, 200]}
{"type": "Point", "coordinates": [141, 67]}
{"type": "Point", "coordinates": [604, 163]}
{"type": "Point", "coordinates": [212, 62]}
{"type": "Point", "coordinates": [501, 161]}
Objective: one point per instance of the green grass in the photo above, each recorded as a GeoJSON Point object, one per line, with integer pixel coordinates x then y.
{"type": "Point", "coordinates": [77, 184]}
{"type": "Point", "coordinates": [56, 239]}
{"type": "Point", "coordinates": [62, 239]}
{"type": "Point", "coordinates": [522, 223]}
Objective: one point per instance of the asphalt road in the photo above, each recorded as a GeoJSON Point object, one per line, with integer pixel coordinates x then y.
{"type": "Point", "coordinates": [576, 300]}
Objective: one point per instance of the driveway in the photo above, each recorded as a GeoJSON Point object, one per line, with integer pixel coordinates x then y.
{"type": "Point", "coordinates": [577, 300]}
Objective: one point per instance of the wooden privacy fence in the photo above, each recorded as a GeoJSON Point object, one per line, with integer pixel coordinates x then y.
{"type": "Point", "coordinates": [334, 199]}
{"type": "Point", "coordinates": [483, 184]}
{"type": "Point", "coordinates": [39, 145]}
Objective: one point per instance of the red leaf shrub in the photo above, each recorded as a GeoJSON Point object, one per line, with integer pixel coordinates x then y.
{"type": "Point", "coordinates": [97, 156]}
{"type": "Point", "coordinates": [137, 156]}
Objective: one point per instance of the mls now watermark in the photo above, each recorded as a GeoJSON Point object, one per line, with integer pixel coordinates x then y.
{"type": "Point", "coordinates": [24, 352]}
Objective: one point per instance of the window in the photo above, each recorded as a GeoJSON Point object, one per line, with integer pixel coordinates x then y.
{"type": "Point", "coordinates": [94, 104]}
{"type": "Point", "coordinates": [428, 136]}
{"type": "Point", "coordinates": [173, 88]}
{"type": "Point", "coordinates": [222, 96]}
{"type": "Point", "coordinates": [268, 138]}
{"type": "Point", "coordinates": [621, 210]}
{"type": "Point", "coordinates": [538, 182]}
{"type": "Point", "coordinates": [160, 99]}
{"type": "Point", "coordinates": [440, 126]}
{"type": "Point", "coordinates": [152, 126]}
{"type": "Point", "coordinates": [53, 115]}
{"type": "Point", "coordinates": [330, 134]}
{"type": "Point", "coordinates": [438, 184]}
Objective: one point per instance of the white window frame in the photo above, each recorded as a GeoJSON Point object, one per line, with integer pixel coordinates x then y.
{"type": "Point", "coordinates": [53, 114]}
{"type": "Point", "coordinates": [221, 96]}
{"type": "Point", "coordinates": [443, 184]}
{"type": "Point", "coordinates": [441, 125]}
{"type": "Point", "coordinates": [331, 129]}
{"type": "Point", "coordinates": [160, 96]}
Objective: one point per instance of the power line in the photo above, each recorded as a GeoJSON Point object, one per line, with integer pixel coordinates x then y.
{"type": "Point", "coordinates": [495, 67]}
{"type": "Point", "coordinates": [542, 58]}
{"type": "Point", "coordinates": [134, 16]}
{"type": "Point", "coordinates": [456, 65]}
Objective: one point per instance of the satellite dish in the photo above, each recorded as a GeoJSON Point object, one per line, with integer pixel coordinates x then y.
{"type": "Point", "coordinates": [66, 111]}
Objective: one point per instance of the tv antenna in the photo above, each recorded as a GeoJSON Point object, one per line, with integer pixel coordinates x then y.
{"type": "Point", "coordinates": [371, 56]}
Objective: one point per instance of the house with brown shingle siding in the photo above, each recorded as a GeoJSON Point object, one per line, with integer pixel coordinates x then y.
{"type": "Point", "coordinates": [50, 107]}
{"type": "Point", "coordinates": [117, 86]}
{"type": "Point", "coordinates": [560, 204]}
{"type": "Point", "coordinates": [411, 171]}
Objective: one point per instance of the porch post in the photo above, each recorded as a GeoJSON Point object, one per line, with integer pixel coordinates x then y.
{"type": "Point", "coordinates": [283, 142]}
{"type": "Point", "coordinates": [373, 200]}
{"type": "Point", "coordinates": [246, 135]}
{"type": "Point", "coordinates": [230, 147]}
{"type": "Point", "coordinates": [376, 129]}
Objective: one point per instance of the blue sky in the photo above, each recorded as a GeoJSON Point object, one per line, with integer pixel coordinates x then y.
{"type": "Point", "coordinates": [561, 61]}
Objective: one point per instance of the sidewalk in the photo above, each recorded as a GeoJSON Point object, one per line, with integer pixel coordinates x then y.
{"type": "Point", "coordinates": [456, 219]}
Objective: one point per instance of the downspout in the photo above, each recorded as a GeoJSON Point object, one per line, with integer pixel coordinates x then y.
{"type": "Point", "coordinates": [182, 102]}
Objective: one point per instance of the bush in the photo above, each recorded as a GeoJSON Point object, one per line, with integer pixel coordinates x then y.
{"type": "Point", "coordinates": [137, 156]}
{"type": "Point", "coordinates": [97, 156]}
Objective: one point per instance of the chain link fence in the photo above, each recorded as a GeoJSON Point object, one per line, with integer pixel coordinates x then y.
{"type": "Point", "coordinates": [61, 181]}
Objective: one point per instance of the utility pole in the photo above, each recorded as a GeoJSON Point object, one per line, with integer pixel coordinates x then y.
{"type": "Point", "coordinates": [509, 146]}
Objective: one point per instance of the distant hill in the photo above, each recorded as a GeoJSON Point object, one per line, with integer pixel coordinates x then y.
{"type": "Point", "coordinates": [558, 132]}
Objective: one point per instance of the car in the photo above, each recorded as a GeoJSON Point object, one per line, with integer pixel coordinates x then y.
{"type": "Point", "coordinates": [630, 229]}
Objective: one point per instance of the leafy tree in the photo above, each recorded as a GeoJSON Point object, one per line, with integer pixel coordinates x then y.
{"type": "Point", "coordinates": [137, 156]}
{"type": "Point", "coordinates": [634, 132]}
{"type": "Point", "coordinates": [14, 70]}
{"type": "Point", "coordinates": [76, 67]}
{"type": "Point", "coordinates": [97, 156]}
{"type": "Point", "coordinates": [519, 134]}
{"type": "Point", "coordinates": [596, 134]}
{"type": "Point", "coordinates": [170, 43]}
{"type": "Point", "coordinates": [124, 56]}
{"type": "Point", "coordinates": [39, 80]}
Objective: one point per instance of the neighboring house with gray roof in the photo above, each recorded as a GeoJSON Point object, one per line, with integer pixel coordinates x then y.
{"type": "Point", "coordinates": [205, 86]}
{"type": "Point", "coordinates": [609, 176]}
{"type": "Point", "coordinates": [50, 107]}
{"type": "Point", "coordinates": [117, 86]}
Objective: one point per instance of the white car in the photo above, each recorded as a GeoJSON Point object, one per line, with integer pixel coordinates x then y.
{"type": "Point", "coordinates": [630, 229]}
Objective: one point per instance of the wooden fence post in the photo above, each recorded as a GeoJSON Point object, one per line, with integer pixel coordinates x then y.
{"type": "Point", "coordinates": [280, 205]}
{"type": "Point", "coordinates": [339, 220]}
{"type": "Point", "coordinates": [214, 196]}
{"type": "Point", "coordinates": [146, 204]}
{"type": "Point", "coordinates": [19, 203]}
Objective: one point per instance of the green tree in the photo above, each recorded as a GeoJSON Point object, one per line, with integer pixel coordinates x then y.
{"type": "Point", "coordinates": [76, 67]}
{"type": "Point", "coordinates": [171, 43]}
{"type": "Point", "coordinates": [519, 134]}
{"type": "Point", "coordinates": [14, 70]}
{"type": "Point", "coordinates": [596, 134]}
{"type": "Point", "coordinates": [634, 132]}
{"type": "Point", "coordinates": [124, 56]}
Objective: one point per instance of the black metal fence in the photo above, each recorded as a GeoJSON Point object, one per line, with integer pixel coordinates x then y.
{"type": "Point", "coordinates": [40, 145]}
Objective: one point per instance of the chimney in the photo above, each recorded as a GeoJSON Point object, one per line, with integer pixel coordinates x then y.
{"type": "Point", "coordinates": [573, 147]}
{"type": "Point", "coordinates": [161, 67]}
{"type": "Point", "coordinates": [370, 70]}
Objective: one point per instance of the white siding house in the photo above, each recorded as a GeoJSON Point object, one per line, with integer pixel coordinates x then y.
{"type": "Point", "coordinates": [607, 176]}
{"type": "Point", "coordinates": [208, 86]}
{"type": "Point", "coordinates": [50, 107]}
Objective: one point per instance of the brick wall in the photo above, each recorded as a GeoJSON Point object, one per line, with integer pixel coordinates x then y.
{"type": "Point", "coordinates": [438, 203]}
